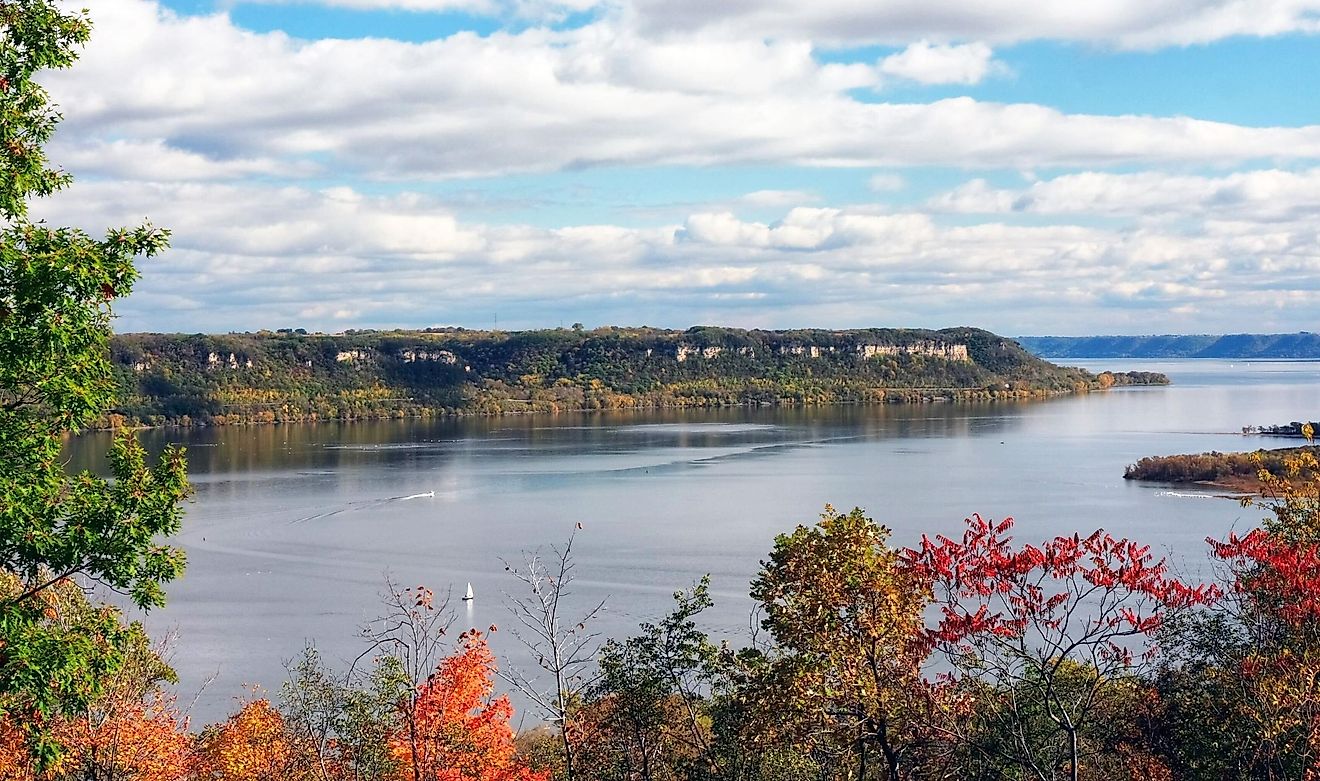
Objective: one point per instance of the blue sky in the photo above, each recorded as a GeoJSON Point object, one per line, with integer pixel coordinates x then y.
{"type": "Point", "coordinates": [1028, 169]}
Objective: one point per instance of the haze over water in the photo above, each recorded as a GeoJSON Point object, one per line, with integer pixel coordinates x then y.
{"type": "Point", "coordinates": [292, 528]}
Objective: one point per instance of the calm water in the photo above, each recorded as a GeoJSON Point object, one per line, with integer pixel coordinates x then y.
{"type": "Point", "coordinates": [293, 528]}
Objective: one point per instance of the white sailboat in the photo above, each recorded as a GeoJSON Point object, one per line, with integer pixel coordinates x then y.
{"type": "Point", "coordinates": [468, 596]}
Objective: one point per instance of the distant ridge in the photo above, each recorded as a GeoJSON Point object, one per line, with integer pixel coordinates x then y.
{"type": "Point", "coordinates": [1302, 345]}
{"type": "Point", "coordinates": [288, 376]}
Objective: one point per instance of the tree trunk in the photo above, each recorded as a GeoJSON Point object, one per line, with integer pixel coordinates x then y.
{"type": "Point", "coordinates": [1074, 771]}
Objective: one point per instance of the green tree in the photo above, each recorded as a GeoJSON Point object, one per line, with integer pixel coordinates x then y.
{"type": "Point", "coordinates": [343, 723]}
{"type": "Point", "coordinates": [56, 287]}
{"type": "Point", "coordinates": [648, 716]}
{"type": "Point", "coordinates": [847, 619]}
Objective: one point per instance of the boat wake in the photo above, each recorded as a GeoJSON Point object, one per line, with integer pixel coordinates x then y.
{"type": "Point", "coordinates": [427, 495]}
{"type": "Point", "coordinates": [362, 505]}
{"type": "Point", "coordinates": [1194, 495]}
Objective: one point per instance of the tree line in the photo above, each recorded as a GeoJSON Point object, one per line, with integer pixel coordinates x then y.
{"type": "Point", "coordinates": [975, 657]}
{"type": "Point", "coordinates": [289, 377]}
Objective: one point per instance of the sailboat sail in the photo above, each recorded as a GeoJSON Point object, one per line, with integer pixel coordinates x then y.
{"type": "Point", "coordinates": [468, 596]}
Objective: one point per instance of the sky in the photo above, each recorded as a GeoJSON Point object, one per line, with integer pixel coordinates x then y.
{"type": "Point", "coordinates": [1116, 167]}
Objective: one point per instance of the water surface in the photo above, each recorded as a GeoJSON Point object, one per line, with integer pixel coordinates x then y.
{"type": "Point", "coordinates": [292, 529]}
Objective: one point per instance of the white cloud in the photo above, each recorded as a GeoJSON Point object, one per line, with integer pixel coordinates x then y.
{"type": "Point", "coordinates": [725, 229]}
{"type": "Point", "coordinates": [1261, 195]}
{"type": "Point", "coordinates": [1124, 23]}
{"type": "Point", "coordinates": [928, 63]}
{"type": "Point", "coordinates": [260, 152]}
{"type": "Point", "coordinates": [540, 10]}
{"type": "Point", "coordinates": [335, 229]}
{"type": "Point", "coordinates": [249, 256]}
{"type": "Point", "coordinates": [541, 101]}
{"type": "Point", "coordinates": [886, 183]}
{"type": "Point", "coordinates": [153, 159]}
{"type": "Point", "coordinates": [779, 198]}
{"type": "Point", "coordinates": [482, 7]}
{"type": "Point", "coordinates": [806, 228]}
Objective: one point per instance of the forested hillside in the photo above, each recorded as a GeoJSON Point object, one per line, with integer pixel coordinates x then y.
{"type": "Point", "coordinates": [287, 375]}
{"type": "Point", "coordinates": [1298, 345]}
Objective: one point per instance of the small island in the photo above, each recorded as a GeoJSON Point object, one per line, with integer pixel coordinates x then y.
{"type": "Point", "coordinates": [1232, 471]}
{"type": "Point", "coordinates": [1295, 430]}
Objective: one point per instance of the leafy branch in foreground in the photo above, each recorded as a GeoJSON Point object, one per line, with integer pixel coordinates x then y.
{"type": "Point", "coordinates": [1051, 629]}
{"type": "Point", "coordinates": [56, 289]}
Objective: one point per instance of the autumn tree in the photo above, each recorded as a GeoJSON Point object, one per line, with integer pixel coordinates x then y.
{"type": "Point", "coordinates": [459, 730]}
{"type": "Point", "coordinates": [133, 730]}
{"type": "Point", "coordinates": [139, 739]}
{"type": "Point", "coordinates": [129, 728]}
{"type": "Point", "coordinates": [845, 615]}
{"type": "Point", "coordinates": [406, 708]}
{"type": "Point", "coordinates": [254, 744]}
{"type": "Point", "coordinates": [56, 287]}
{"type": "Point", "coordinates": [407, 644]}
{"type": "Point", "coordinates": [1043, 635]}
{"type": "Point", "coordinates": [1248, 667]}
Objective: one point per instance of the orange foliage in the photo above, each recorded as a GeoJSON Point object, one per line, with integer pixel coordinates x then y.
{"type": "Point", "coordinates": [1138, 765]}
{"type": "Point", "coordinates": [15, 762]}
{"type": "Point", "coordinates": [253, 745]}
{"type": "Point", "coordinates": [457, 732]}
{"type": "Point", "coordinates": [140, 740]}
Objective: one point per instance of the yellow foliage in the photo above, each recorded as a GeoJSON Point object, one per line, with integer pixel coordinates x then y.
{"type": "Point", "coordinates": [253, 745]}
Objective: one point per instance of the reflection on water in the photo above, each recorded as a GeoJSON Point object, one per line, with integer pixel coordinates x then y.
{"type": "Point", "coordinates": [338, 446]}
{"type": "Point", "coordinates": [292, 527]}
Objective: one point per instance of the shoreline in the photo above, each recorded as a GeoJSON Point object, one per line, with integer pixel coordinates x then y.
{"type": "Point", "coordinates": [1243, 486]}
{"type": "Point", "coordinates": [903, 396]}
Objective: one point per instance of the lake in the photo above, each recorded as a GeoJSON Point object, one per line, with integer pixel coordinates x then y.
{"type": "Point", "coordinates": [293, 528]}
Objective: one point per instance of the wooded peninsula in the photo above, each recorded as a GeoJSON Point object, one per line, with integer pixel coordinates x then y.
{"type": "Point", "coordinates": [289, 375]}
{"type": "Point", "coordinates": [1236, 471]}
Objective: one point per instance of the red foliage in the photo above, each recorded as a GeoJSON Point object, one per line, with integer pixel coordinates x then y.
{"type": "Point", "coordinates": [15, 760]}
{"type": "Point", "coordinates": [1069, 593]}
{"type": "Point", "coordinates": [1279, 576]}
{"type": "Point", "coordinates": [458, 732]}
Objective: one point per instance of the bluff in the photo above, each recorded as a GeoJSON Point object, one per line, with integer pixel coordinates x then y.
{"type": "Point", "coordinates": [294, 376]}
{"type": "Point", "coordinates": [1232, 346]}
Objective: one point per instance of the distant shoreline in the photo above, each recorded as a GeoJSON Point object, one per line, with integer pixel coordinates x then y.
{"type": "Point", "coordinates": [1301, 346]}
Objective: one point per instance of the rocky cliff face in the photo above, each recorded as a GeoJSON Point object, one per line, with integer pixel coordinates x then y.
{"type": "Point", "coordinates": [946, 350]}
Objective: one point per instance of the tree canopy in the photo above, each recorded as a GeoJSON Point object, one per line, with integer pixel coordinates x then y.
{"type": "Point", "coordinates": [56, 290]}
